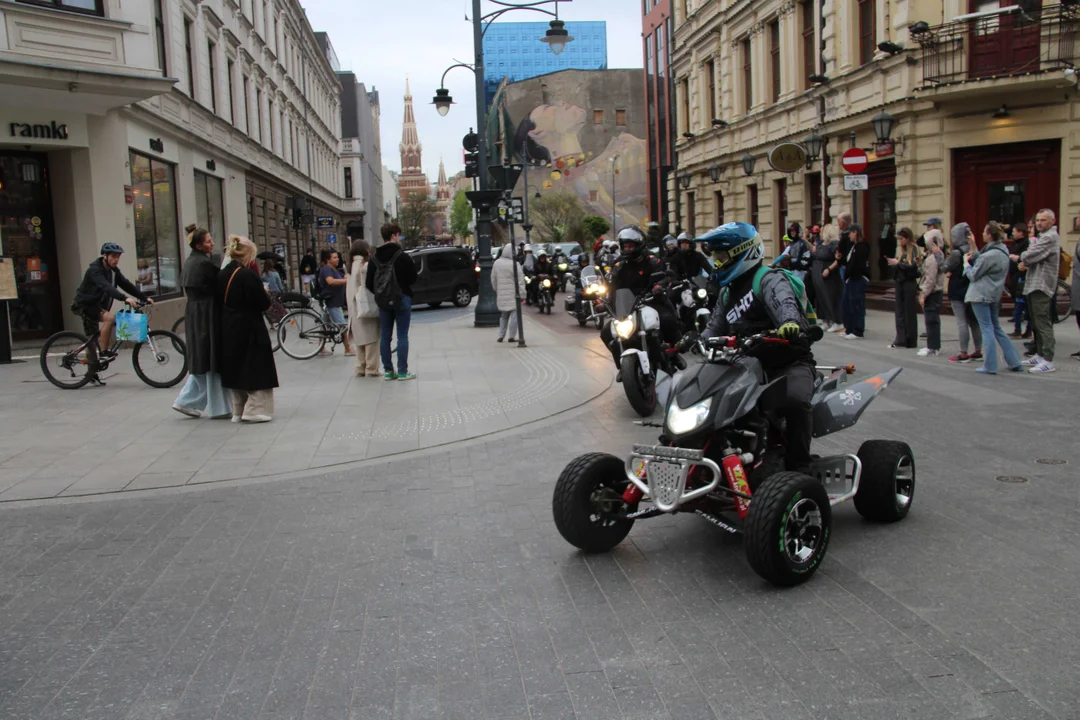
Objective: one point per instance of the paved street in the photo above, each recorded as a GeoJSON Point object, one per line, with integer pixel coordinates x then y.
{"type": "Point", "coordinates": [433, 584]}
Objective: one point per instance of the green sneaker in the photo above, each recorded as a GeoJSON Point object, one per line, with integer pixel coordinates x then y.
{"type": "Point", "coordinates": [389, 376]}
{"type": "Point", "coordinates": [406, 376]}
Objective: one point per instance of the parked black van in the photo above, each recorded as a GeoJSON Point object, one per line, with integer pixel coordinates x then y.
{"type": "Point", "coordinates": [444, 274]}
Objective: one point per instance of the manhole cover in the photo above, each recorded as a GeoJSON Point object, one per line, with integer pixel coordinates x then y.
{"type": "Point", "coordinates": [1011, 479]}
{"type": "Point", "coordinates": [1051, 461]}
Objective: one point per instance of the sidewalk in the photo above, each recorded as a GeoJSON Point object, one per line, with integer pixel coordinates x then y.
{"type": "Point", "coordinates": [56, 443]}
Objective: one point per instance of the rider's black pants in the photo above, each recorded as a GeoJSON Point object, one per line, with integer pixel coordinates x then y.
{"type": "Point", "coordinates": [797, 412]}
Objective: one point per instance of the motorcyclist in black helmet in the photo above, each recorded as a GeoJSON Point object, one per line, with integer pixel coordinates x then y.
{"type": "Point", "coordinates": [688, 263]}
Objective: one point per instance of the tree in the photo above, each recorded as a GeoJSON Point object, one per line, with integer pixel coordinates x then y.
{"type": "Point", "coordinates": [557, 217]}
{"type": "Point", "coordinates": [415, 217]}
{"type": "Point", "coordinates": [594, 226]}
{"type": "Point", "coordinates": [461, 215]}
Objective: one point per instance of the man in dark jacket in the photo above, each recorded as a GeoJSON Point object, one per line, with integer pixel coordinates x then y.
{"type": "Point", "coordinates": [688, 263]}
{"type": "Point", "coordinates": [101, 284]}
{"type": "Point", "coordinates": [738, 253]}
{"type": "Point", "coordinates": [390, 258]}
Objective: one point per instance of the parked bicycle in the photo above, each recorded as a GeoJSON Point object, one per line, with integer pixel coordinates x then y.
{"type": "Point", "coordinates": [271, 327]}
{"type": "Point", "coordinates": [302, 334]}
{"type": "Point", "coordinates": [160, 361]}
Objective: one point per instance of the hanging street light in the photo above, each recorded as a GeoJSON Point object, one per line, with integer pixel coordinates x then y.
{"type": "Point", "coordinates": [883, 124]}
{"type": "Point", "coordinates": [442, 101]}
{"type": "Point", "coordinates": [714, 172]}
{"type": "Point", "coordinates": [684, 180]}
{"type": "Point", "coordinates": [556, 37]}
{"type": "Point", "coordinates": [748, 163]}
{"type": "Point", "coordinates": [813, 143]}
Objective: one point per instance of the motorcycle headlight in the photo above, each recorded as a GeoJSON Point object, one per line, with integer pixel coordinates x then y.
{"type": "Point", "coordinates": [701, 293]}
{"type": "Point", "coordinates": [547, 283]}
{"type": "Point", "coordinates": [563, 266]}
{"type": "Point", "coordinates": [528, 279]}
{"type": "Point", "coordinates": [600, 289]}
{"type": "Point", "coordinates": [680, 421]}
{"type": "Point", "coordinates": [625, 328]}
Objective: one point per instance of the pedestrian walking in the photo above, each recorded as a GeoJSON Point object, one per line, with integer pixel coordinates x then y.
{"type": "Point", "coordinates": [390, 278]}
{"type": "Point", "coordinates": [932, 290]}
{"type": "Point", "coordinates": [906, 266]}
{"type": "Point", "coordinates": [332, 290]}
{"type": "Point", "coordinates": [986, 271]}
{"type": "Point", "coordinates": [856, 280]}
{"type": "Point", "coordinates": [1039, 263]}
{"type": "Point", "coordinates": [202, 394]}
{"type": "Point", "coordinates": [825, 277]}
{"type": "Point", "coordinates": [247, 357]}
{"type": "Point", "coordinates": [506, 292]}
{"type": "Point", "coordinates": [363, 312]}
{"type": "Point", "coordinates": [966, 323]}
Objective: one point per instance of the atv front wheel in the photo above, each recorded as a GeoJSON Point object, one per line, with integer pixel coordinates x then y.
{"type": "Point", "coordinates": [887, 485]}
{"type": "Point", "coordinates": [787, 528]}
{"type": "Point", "coordinates": [589, 489]}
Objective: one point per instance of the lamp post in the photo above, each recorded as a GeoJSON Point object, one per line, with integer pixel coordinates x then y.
{"type": "Point", "coordinates": [487, 311]}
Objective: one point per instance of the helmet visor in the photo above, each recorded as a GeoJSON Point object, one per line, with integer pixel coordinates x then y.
{"type": "Point", "coordinates": [629, 246]}
{"type": "Point", "coordinates": [722, 258]}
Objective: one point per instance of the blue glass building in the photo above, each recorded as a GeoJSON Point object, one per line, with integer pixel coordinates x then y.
{"type": "Point", "coordinates": [513, 50]}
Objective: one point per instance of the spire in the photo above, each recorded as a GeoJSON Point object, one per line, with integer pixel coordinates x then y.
{"type": "Point", "coordinates": [410, 140]}
{"type": "Point", "coordinates": [442, 172]}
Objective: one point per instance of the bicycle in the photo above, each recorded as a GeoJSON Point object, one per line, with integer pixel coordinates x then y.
{"type": "Point", "coordinates": [65, 358]}
{"type": "Point", "coordinates": [302, 334]}
{"type": "Point", "coordinates": [290, 300]}
{"type": "Point", "coordinates": [1062, 302]}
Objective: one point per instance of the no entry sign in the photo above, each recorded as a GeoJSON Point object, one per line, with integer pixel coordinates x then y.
{"type": "Point", "coordinates": [854, 161]}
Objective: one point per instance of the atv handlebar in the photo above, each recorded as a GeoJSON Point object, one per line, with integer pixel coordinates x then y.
{"type": "Point", "coordinates": [733, 342]}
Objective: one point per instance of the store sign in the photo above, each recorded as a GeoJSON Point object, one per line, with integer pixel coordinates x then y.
{"type": "Point", "coordinates": [157, 145]}
{"type": "Point", "coordinates": [324, 222]}
{"type": "Point", "coordinates": [787, 157]}
{"type": "Point", "coordinates": [52, 131]}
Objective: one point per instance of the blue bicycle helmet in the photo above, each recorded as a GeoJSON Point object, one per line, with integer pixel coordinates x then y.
{"type": "Point", "coordinates": [111, 248]}
{"type": "Point", "coordinates": [736, 249]}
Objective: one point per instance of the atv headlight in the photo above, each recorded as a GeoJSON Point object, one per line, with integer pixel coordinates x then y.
{"type": "Point", "coordinates": [680, 421]}
{"type": "Point", "coordinates": [547, 283]}
{"type": "Point", "coordinates": [701, 293]}
{"type": "Point", "coordinates": [625, 328]}
{"type": "Point", "coordinates": [563, 266]}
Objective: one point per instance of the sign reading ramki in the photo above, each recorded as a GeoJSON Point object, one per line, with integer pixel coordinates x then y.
{"type": "Point", "coordinates": [52, 131]}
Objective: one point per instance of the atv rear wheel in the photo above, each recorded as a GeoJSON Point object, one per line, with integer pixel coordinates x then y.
{"type": "Point", "coordinates": [887, 485]}
{"type": "Point", "coordinates": [587, 491]}
{"type": "Point", "coordinates": [787, 528]}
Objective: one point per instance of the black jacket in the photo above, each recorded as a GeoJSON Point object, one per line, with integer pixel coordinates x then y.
{"type": "Point", "coordinates": [543, 267]}
{"type": "Point", "coordinates": [403, 268]}
{"type": "Point", "coordinates": [858, 262]}
{"type": "Point", "coordinates": [687, 264]}
{"type": "Point", "coordinates": [906, 272]}
{"type": "Point", "coordinates": [741, 313]}
{"type": "Point", "coordinates": [844, 247]}
{"type": "Point", "coordinates": [634, 274]}
{"type": "Point", "coordinates": [99, 286]}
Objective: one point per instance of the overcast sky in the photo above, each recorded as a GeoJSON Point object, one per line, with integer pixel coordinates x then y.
{"type": "Point", "coordinates": [383, 40]}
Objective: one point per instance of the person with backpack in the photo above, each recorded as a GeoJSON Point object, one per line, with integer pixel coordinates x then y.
{"type": "Point", "coordinates": [756, 299]}
{"type": "Point", "coordinates": [986, 271]}
{"type": "Point", "coordinates": [390, 278]}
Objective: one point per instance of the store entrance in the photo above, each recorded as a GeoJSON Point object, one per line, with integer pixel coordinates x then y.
{"type": "Point", "coordinates": [27, 232]}
{"type": "Point", "coordinates": [878, 217]}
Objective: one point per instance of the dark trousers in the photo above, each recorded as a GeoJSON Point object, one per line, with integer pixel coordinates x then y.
{"type": "Point", "coordinates": [1041, 306]}
{"type": "Point", "coordinates": [907, 314]}
{"type": "Point", "coordinates": [798, 413]}
{"type": "Point", "coordinates": [1020, 313]}
{"type": "Point", "coordinates": [932, 316]}
{"type": "Point", "coordinates": [855, 306]}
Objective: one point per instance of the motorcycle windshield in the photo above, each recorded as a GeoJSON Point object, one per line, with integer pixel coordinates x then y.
{"type": "Point", "coordinates": [588, 273]}
{"type": "Point", "coordinates": [735, 389]}
{"type": "Point", "coordinates": [624, 302]}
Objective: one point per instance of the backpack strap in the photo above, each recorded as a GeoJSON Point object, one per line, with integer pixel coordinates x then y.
{"type": "Point", "coordinates": [759, 274]}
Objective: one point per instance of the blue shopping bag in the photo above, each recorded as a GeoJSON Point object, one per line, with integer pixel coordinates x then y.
{"type": "Point", "coordinates": [132, 326]}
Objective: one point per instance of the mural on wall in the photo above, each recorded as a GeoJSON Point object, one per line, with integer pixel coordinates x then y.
{"type": "Point", "coordinates": [550, 137]}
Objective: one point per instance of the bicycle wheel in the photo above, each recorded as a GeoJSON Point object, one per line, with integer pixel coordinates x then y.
{"type": "Point", "coordinates": [302, 334]}
{"type": "Point", "coordinates": [178, 326]}
{"type": "Point", "coordinates": [161, 361]}
{"type": "Point", "coordinates": [65, 361]}
{"type": "Point", "coordinates": [272, 328]}
{"type": "Point", "coordinates": [1063, 301]}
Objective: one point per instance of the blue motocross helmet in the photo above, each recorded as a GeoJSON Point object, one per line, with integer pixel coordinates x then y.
{"type": "Point", "coordinates": [736, 249]}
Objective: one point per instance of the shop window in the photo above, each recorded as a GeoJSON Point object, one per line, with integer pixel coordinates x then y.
{"type": "Point", "coordinates": [819, 208]}
{"type": "Point", "coordinates": [157, 238]}
{"type": "Point", "coordinates": [90, 7]}
{"type": "Point", "coordinates": [210, 205]}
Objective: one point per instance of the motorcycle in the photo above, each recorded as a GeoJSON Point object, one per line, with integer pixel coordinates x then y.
{"type": "Point", "coordinates": [695, 303]}
{"type": "Point", "coordinates": [588, 303]}
{"type": "Point", "coordinates": [562, 271]}
{"type": "Point", "coordinates": [544, 299]}
{"type": "Point", "coordinates": [642, 352]}
{"type": "Point", "coordinates": [721, 457]}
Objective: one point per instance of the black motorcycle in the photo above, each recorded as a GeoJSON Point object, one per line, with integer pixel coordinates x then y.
{"type": "Point", "coordinates": [562, 268]}
{"type": "Point", "coordinates": [587, 303]}
{"type": "Point", "coordinates": [543, 292]}
{"type": "Point", "coordinates": [721, 456]}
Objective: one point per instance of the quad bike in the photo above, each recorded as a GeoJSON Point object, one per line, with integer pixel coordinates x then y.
{"type": "Point", "coordinates": [721, 457]}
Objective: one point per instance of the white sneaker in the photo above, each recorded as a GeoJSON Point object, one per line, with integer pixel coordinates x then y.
{"type": "Point", "coordinates": [927, 352]}
{"type": "Point", "coordinates": [1045, 367]}
{"type": "Point", "coordinates": [851, 336]}
{"type": "Point", "coordinates": [1034, 361]}
{"type": "Point", "coordinates": [256, 418]}
{"type": "Point", "coordinates": [837, 328]}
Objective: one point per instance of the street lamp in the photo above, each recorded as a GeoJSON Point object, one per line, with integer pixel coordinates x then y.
{"type": "Point", "coordinates": [487, 311]}
{"type": "Point", "coordinates": [813, 143]}
{"type": "Point", "coordinates": [684, 179]}
{"type": "Point", "coordinates": [714, 172]}
{"type": "Point", "coordinates": [748, 163]}
{"type": "Point", "coordinates": [883, 124]}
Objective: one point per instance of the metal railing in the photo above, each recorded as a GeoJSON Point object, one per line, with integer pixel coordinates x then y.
{"type": "Point", "coordinates": [1013, 42]}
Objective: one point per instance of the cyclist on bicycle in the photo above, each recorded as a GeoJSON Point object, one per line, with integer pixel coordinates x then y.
{"type": "Point", "coordinates": [94, 298]}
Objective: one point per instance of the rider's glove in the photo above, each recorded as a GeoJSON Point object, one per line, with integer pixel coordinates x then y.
{"type": "Point", "coordinates": [789, 331]}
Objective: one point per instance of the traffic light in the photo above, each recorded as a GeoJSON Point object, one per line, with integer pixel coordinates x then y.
{"type": "Point", "coordinates": [471, 144]}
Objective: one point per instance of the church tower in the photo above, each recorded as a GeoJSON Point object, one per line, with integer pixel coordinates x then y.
{"type": "Point", "coordinates": [443, 201]}
{"type": "Point", "coordinates": [412, 180]}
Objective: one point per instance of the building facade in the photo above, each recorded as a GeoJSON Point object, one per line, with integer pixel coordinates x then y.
{"type": "Point", "coordinates": [361, 159]}
{"type": "Point", "coordinates": [984, 108]}
{"type": "Point", "coordinates": [162, 114]}
{"type": "Point", "coordinates": [390, 194]}
{"type": "Point", "coordinates": [513, 51]}
{"type": "Point", "coordinates": [656, 51]}
{"type": "Point", "coordinates": [412, 180]}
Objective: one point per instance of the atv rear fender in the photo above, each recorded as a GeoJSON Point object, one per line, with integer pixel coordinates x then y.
{"type": "Point", "coordinates": [841, 408]}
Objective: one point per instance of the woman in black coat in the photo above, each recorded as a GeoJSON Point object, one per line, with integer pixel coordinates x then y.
{"type": "Point", "coordinates": [906, 268]}
{"type": "Point", "coordinates": [247, 357]}
{"type": "Point", "coordinates": [828, 287]}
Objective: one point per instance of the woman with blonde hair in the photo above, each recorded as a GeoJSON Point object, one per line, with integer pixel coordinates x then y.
{"type": "Point", "coordinates": [247, 356]}
{"type": "Point", "coordinates": [363, 312]}
{"type": "Point", "coordinates": [906, 267]}
{"type": "Point", "coordinates": [828, 286]}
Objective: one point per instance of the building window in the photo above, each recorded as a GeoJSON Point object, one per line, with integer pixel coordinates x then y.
{"type": "Point", "coordinates": [594, 196]}
{"type": "Point", "coordinates": [620, 118]}
{"type": "Point", "coordinates": [247, 105]}
{"type": "Point", "coordinates": [190, 62]}
{"type": "Point", "coordinates": [712, 89]}
{"type": "Point", "coordinates": [718, 201]}
{"type": "Point", "coordinates": [686, 104]}
{"type": "Point", "coordinates": [866, 31]}
{"type": "Point", "coordinates": [781, 209]}
{"type": "Point", "coordinates": [691, 215]}
{"type": "Point", "coordinates": [348, 182]}
{"type": "Point", "coordinates": [751, 201]}
{"type": "Point", "coordinates": [212, 67]}
{"type": "Point", "coordinates": [90, 7]}
{"type": "Point", "coordinates": [229, 82]}
{"type": "Point", "coordinates": [748, 76]}
{"type": "Point", "coordinates": [809, 43]}
{"type": "Point", "coordinates": [258, 114]}
{"type": "Point", "coordinates": [210, 205]}
{"type": "Point", "coordinates": [157, 239]}
{"type": "Point", "coordinates": [774, 58]}
{"type": "Point", "coordinates": [598, 117]}
{"type": "Point", "coordinates": [159, 37]}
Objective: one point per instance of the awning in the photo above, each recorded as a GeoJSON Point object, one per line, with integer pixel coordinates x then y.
{"type": "Point", "coordinates": [95, 92]}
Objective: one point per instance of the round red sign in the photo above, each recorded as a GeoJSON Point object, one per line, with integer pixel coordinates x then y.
{"type": "Point", "coordinates": [854, 161]}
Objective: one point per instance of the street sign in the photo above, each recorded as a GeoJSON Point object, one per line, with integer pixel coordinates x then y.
{"type": "Point", "coordinates": [324, 222]}
{"type": "Point", "coordinates": [331, 238]}
{"type": "Point", "coordinates": [517, 210]}
{"type": "Point", "coordinates": [854, 161]}
{"type": "Point", "coordinates": [856, 182]}
{"type": "Point", "coordinates": [884, 149]}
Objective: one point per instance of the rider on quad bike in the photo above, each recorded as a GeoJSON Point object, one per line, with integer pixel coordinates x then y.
{"type": "Point", "coordinates": [738, 252]}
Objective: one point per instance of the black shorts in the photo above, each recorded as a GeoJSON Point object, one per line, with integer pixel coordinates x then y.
{"type": "Point", "coordinates": [91, 320]}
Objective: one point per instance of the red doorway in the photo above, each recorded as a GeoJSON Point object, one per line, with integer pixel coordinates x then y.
{"type": "Point", "coordinates": [1008, 183]}
{"type": "Point", "coordinates": [877, 215]}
